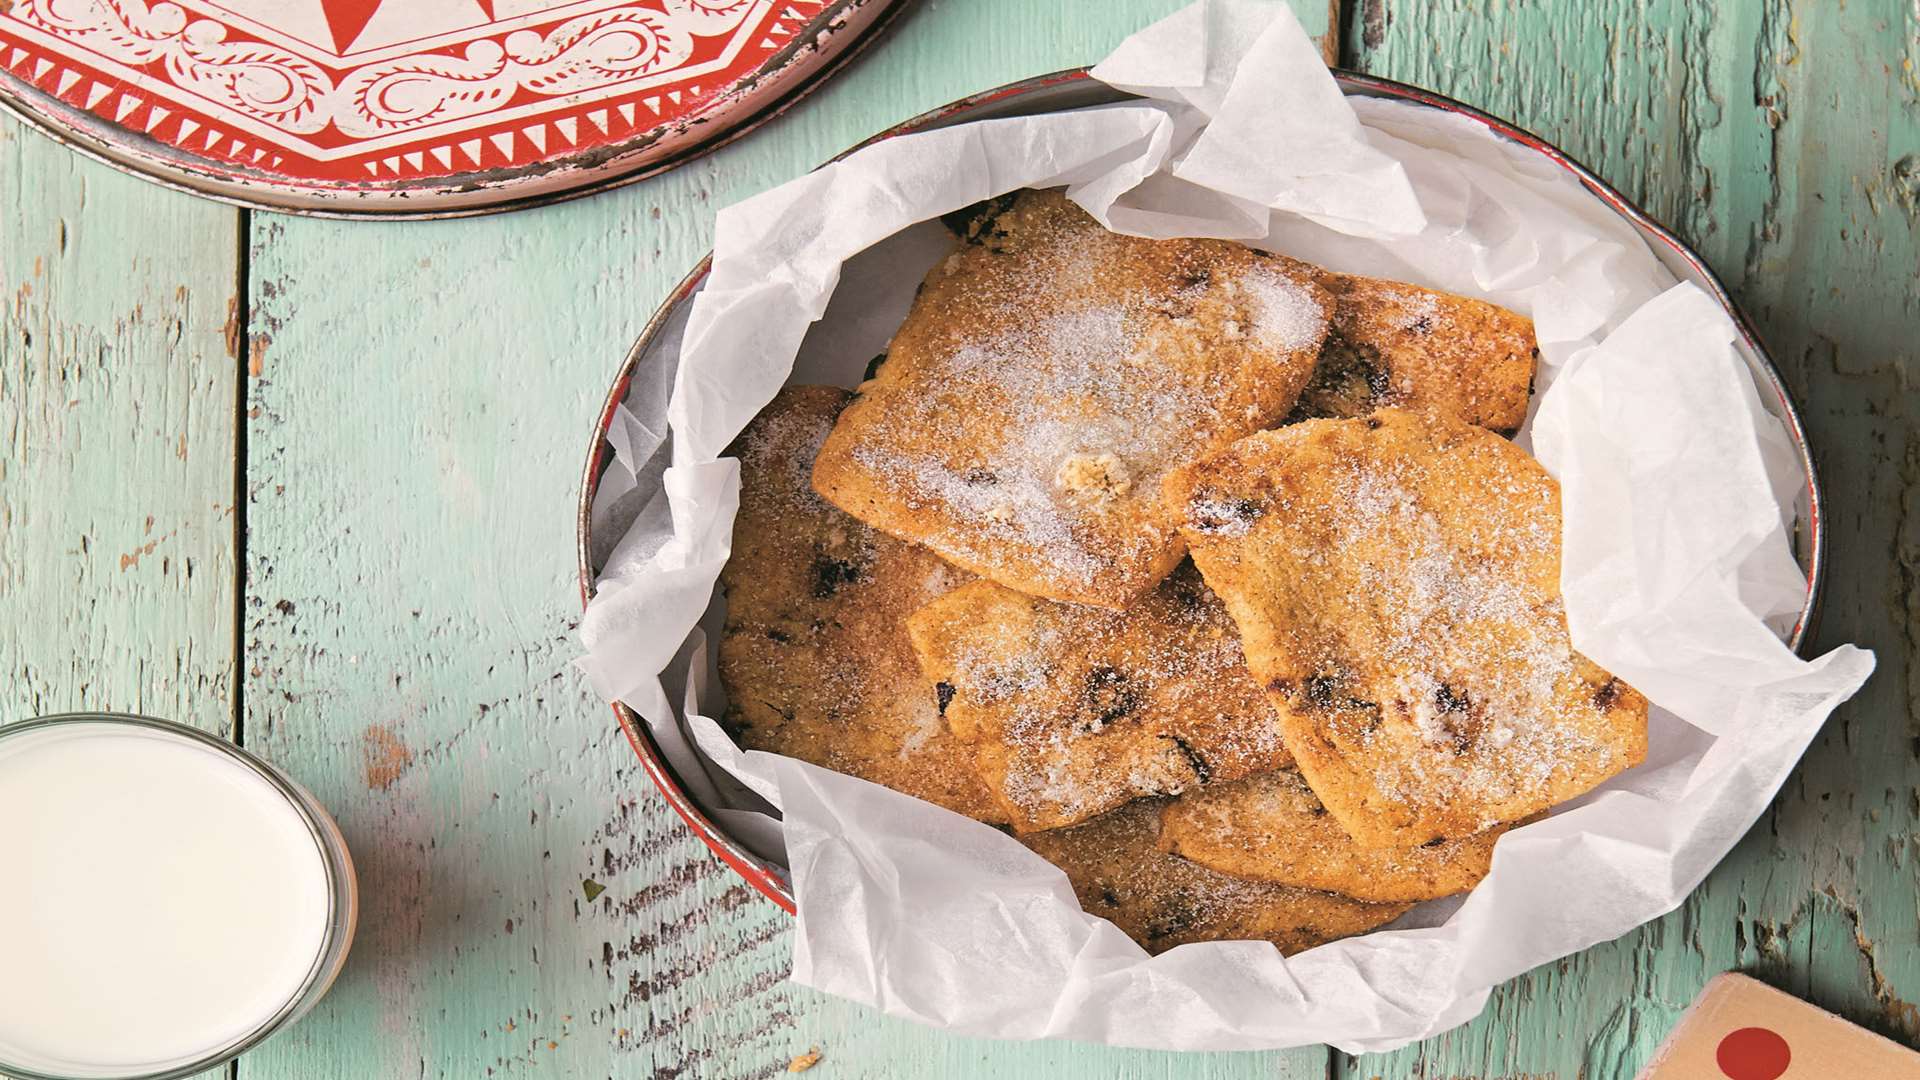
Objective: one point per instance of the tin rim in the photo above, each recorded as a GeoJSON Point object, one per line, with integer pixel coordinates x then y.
{"type": "Point", "coordinates": [342, 888]}
{"type": "Point", "coordinates": [768, 880]}
{"type": "Point", "coordinates": [840, 45]}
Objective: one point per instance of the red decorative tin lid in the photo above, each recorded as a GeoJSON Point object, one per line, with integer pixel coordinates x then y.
{"type": "Point", "coordinates": [413, 107]}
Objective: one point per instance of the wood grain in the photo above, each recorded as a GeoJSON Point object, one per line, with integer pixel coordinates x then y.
{"type": "Point", "coordinates": [1781, 140]}
{"type": "Point", "coordinates": [117, 413]}
{"type": "Point", "coordinates": [116, 403]}
{"type": "Point", "coordinates": [415, 414]}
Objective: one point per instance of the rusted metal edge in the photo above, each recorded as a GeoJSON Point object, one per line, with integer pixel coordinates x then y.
{"type": "Point", "coordinates": [602, 168]}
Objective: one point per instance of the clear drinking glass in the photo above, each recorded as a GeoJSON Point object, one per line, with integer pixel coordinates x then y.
{"type": "Point", "coordinates": [342, 904]}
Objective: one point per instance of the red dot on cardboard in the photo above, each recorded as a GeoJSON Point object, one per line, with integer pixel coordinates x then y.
{"type": "Point", "coordinates": [1753, 1054]}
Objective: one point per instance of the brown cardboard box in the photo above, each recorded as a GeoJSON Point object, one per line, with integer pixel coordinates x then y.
{"type": "Point", "coordinates": [1743, 1029]}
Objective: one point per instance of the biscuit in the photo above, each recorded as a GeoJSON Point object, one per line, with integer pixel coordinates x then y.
{"type": "Point", "coordinates": [1047, 378]}
{"type": "Point", "coordinates": [1161, 901]}
{"type": "Point", "coordinates": [1393, 344]}
{"type": "Point", "coordinates": [1273, 828]}
{"type": "Point", "coordinates": [1074, 710]}
{"type": "Point", "coordinates": [1396, 581]}
{"type": "Point", "coordinates": [814, 654]}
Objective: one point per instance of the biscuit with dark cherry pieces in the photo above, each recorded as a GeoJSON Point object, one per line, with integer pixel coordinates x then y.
{"type": "Point", "coordinates": [1048, 376]}
{"type": "Point", "coordinates": [814, 655]}
{"type": "Point", "coordinates": [1160, 900]}
{"type": "Point", "coordinates": [1073, 710]}
{"type": "Point", "coordinates": [1272, 827]}
{"type": "Point", "coordinates": [1398, 345]}
{"type": "Point", "coordinates": [1396, 581]}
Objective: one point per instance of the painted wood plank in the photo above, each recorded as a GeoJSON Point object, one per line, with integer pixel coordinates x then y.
{"type": "Point", "coordinates": [1783, 140]}
{"type": "Point", "coordinates": [418, 411]}
{"type": "Point", "coordinates": [117, 407]}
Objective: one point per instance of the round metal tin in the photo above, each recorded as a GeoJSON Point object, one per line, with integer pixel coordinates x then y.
{"type": "Point", "coordinates": [414, 108]}
{"type": "Point", "coordinates": [1076, 89]}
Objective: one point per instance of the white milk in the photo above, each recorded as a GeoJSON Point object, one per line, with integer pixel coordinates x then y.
{"type": "Point", "coordinates": [158, 900]}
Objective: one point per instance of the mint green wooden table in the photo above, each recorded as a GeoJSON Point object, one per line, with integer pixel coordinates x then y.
{"type": "Point", "coordinates": [311, 484]}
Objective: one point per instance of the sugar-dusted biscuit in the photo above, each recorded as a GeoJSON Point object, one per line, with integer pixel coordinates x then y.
{"type": "Point", "coordinates": [1074, 710]}
{"type": "Point", "coordinates": [1396, 581]}
{"type": "Point", "coordinates": [814, 655]}
{"type": "Point", "coordinates": [1161, 900]}
{"type": "Point", "coordinates": [1393, 344]}
{"type": "Point", "coordinates": [1048, 377]}
{"type": "Point", "coordinates": [1272, 827]}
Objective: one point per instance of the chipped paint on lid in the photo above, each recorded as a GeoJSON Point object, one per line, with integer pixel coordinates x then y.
{"type": "Point", "coordinates": [413, 107]}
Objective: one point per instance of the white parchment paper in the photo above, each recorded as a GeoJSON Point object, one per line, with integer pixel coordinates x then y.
{"type": "Point", "coordinates": [1679, 490]}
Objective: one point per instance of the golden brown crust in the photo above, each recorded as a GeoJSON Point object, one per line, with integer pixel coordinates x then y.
{"type": "Point", "coordinates": [1161, 901]}
{"type": "Point", "coordinates": [814, 654]}
{"type": "Point", "coordinates": [1396, 584]}
{"type": "Point", "coordinates": [1273, 828]}
{"type": "Point", "coordinates": [1074, 710]}
{"type": "Point", "coordinates": [1048, 377]}
{"type": "Point", "coordinates": [1394, 344]}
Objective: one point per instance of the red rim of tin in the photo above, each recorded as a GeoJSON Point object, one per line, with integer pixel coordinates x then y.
{"type": "Point", "coordinates": [766, 879]}
{"type": "Point", "coordinates": [587, 142]}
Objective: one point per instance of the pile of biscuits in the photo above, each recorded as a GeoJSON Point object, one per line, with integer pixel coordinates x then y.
{"type": "Point", "coordinates": [1207, 573]}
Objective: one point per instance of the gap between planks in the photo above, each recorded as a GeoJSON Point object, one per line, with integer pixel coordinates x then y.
{"type": "Point", "coordinates": [239, 347]}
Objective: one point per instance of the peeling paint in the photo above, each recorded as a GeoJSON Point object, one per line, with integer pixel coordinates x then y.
{"type": "Point", "coordinates": [257, 354]}
{"type": "Point", "coordinates": [383, 756]}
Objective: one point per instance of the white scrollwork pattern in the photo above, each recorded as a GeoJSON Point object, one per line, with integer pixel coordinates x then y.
{"type": "Point", "coordinates": [396, 95]}
{"type": "Point", "coordinates": [708, 17]}
{"type": "Point", "coordinates": [580, 54]}
{"type": "Point", "coordinates": [257, 80]}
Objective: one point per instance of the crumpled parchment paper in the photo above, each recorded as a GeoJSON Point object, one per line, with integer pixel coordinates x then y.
{"type": "Point", "coordinates": [1680, 492]}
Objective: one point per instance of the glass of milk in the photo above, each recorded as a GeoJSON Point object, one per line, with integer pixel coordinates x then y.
{"type": "Point", "coordinates": [167, 900]}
